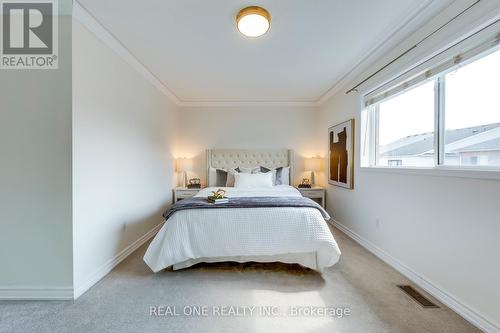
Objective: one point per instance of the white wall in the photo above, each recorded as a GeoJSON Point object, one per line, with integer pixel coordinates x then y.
{"type": "Point", "coordinates": [444, 229]}
{"type": "Point", "coordinates": [35, 177]}
{"type": "Point", "coordinates": [124, 132]}
{"type": "Point", "coordinates": [248, 127]}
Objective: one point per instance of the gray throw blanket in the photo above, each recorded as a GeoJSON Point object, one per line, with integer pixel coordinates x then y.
{"type": "Point", "coordinates": [246, 202]}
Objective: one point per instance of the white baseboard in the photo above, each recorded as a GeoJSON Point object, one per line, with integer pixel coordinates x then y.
{"type": "Point", "coordinates": [450, 301]}
{"type": "Point", "coordinates": [68, 293]}
{"type": "Point", "coordinates": [35, 293]}
{"type": "Point", "coordinates": [113, 262]}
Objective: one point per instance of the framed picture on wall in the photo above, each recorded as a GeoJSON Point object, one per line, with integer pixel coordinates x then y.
{"type": "Point", "coordinates": [341, 154]}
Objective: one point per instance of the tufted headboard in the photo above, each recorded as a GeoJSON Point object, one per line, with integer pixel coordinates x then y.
{"type": "Point", "coordinates": [233, 158]}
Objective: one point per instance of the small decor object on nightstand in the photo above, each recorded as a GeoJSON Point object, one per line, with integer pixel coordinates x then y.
{"type": "Point", "coordinates": [194, 183]}
{"type": "Point", "coordinates": [218, 197]}
{"type": "Point", "coordinates": [306, 183]}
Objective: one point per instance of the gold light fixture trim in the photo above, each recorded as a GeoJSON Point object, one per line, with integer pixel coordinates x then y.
{"type": "Point", "coordinates": [253, 21]}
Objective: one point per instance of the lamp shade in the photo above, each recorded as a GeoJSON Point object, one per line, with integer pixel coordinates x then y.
{"type": "Point", "coordinates": [184, 164]}
{"type": "Point", "coordinates": [313, 164]}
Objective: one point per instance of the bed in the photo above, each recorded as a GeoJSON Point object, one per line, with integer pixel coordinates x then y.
{"type": "Point", "coordinates": [295, 235]}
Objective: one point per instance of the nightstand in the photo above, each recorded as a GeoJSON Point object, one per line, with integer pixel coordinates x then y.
{"type": "Point", "coordinates": [316, 193]}
{"type": "Point", "coordinates": [184, 193]}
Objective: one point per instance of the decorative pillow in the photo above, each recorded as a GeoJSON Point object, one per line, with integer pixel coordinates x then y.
{"type": "Point", "coordinates": [281, 175]}
{"type": "Point", "coordinates": [248, 170]}
{"type": "Point", "coordinates": [264, 169]}
{"type": "Point", "coordinates": [230, 177]}
{"type": "Point", "coordinates": [220, 177]}
{"type": "Point", "coordinates": [249, 180]}
{"type": "Point", "coordinates": [217, 177]}
{"type": "Point", "coordinates": [212, 175]}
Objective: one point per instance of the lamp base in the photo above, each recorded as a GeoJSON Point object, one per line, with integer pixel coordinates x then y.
{"type": "Point", "coordinates": [312, 178]}
{"type": "Point", "coordinates": [184, 179]}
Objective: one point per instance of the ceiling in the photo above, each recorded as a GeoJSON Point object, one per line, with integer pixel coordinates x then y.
{"type": "Point", "coordinates": [195, 50]}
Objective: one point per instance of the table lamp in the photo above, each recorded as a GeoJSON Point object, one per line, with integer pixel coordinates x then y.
{"type": "Point", "coordinates": [313, 165]}
{"type": "Point", "coordinates": [184, 165]}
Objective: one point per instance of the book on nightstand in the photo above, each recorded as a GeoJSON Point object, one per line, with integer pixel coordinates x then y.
{"type": "Point", "coordinates": [217, 201]}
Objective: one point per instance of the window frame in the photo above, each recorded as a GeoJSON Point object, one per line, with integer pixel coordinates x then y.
{"type": "Point", "coordinates": [374, 120]}
{"type": "Point", "coordinates": [439, 168]}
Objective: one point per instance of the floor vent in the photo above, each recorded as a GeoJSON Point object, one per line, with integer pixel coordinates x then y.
{"type": "Point", "coordinates": [418, 297]}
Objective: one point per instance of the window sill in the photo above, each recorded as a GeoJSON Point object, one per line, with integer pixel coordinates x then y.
{"type": "Point", "coordinates": [488, 174]}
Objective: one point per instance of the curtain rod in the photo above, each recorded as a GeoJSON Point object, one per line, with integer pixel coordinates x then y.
{"type": "Point", "coordinates": [355, 88]}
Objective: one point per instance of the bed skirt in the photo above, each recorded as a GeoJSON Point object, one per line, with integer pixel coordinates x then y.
{"type": "Point", "coordinates": [307, 259]}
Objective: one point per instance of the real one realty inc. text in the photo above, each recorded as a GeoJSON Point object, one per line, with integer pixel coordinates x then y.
{"type": "Point", "coordinates": [248, 311]}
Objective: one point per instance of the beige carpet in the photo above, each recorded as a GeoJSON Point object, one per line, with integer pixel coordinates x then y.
{"type": "Point", "coordinates": [224, 294]}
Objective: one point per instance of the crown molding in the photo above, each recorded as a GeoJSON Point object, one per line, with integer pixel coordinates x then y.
{"type": "Point", "coordinates": [394, 36]}
{"type": "Point", "coordinates": [195, 104]}
{"type": "Point", "coordinates": [89, 21]}
{"type": "Point", "coordinates": [82, 15]}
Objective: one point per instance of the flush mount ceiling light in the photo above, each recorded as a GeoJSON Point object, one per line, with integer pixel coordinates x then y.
{"type": "Point", "coordinates": [253, 21]}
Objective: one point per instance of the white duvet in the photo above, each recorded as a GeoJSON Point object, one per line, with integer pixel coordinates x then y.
{"type": "Point", "coordinates": [194, 235]}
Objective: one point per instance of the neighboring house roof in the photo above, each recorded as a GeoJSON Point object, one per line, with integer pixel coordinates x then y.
{"type": "Point", "coordinates": [487, 145]}
{"type": "Point", "coordinates": [483, 137]}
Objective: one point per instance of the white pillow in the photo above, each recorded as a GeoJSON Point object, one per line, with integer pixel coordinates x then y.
{"type": "Point", "coordinates": [248, 180]}
{"type": "Point", "coordinates": [281, 175]}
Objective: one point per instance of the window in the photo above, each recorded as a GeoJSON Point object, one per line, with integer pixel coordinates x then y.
{"type": "Point", "coordinates": [472, 113]}
{"type": "Point", "coordinates": [395, 162]}
{"type": "Point", "coordinates": [406, 128]}
{"type": "Point", "coordinates": [473, 160]}
{"type": "Point", "coordinates": [448, 115]}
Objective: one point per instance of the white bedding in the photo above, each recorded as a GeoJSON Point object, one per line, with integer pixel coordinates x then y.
{"type": "Point", "coordinates": [190, 236]}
